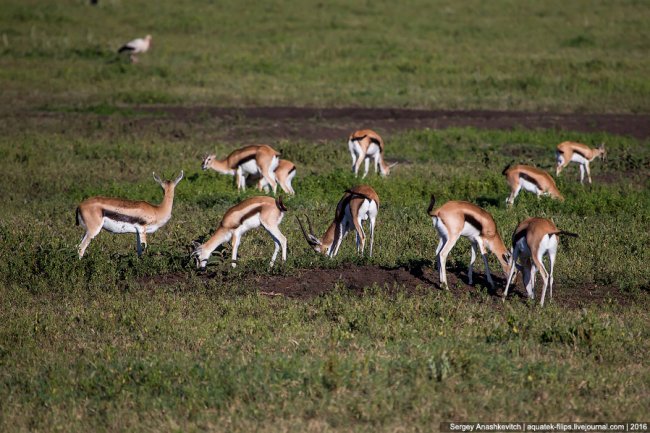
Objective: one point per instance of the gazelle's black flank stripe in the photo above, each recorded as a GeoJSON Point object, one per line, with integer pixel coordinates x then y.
{"type": "Point", "coordinates": [474, 222]}
{"type": "Point", "coordinates": [530, 179]}
{"type": "Point", "coordinates": [246, 159]}
{"type": "Point", "coordinates": [580, 153]}
{"type": "Point", "coordinates": [517, 236]}
{"type": "Point", "coordinates": [124, 218]}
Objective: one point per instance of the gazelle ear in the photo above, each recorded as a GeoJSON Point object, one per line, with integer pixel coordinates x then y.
{"type": "Point", "coordinates": [393, 164]}
{"type": "Point", "coordinates": [507, 257]}
{"type": "Point", "coordinates": [314, 240]}
{"type": "Point", "coordinates": [178, 179]}
{"type": "Point", "coordinates": [157, 179]}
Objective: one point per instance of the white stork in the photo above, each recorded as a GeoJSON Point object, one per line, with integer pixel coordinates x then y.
{"type": "Point", "coordinates": [136, 46]}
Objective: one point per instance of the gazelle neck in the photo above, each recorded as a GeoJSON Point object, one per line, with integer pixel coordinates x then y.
{"type": "Point", "coordinates": [168, 200]}
{"type": "Point", "coordinates": [499, 249]}
{"type": "Point", "coordinates": [221, 166]}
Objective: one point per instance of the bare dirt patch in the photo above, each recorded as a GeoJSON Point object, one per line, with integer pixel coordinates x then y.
{"type": "Point", "coordinates": [414, 280]}
{"type": "Point", "coordinates": [308, 123]}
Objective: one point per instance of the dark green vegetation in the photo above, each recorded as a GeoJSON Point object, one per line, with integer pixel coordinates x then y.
{"type": "Point", "coordinates": [115, 342]}
{"type": "Point", "coordinates": [554, 55]}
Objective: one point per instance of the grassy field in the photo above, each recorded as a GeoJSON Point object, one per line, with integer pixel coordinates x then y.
{"type": "Point", "coordinates": [552, 55]}
{"type": "Point", "coordinates": [113, 342]}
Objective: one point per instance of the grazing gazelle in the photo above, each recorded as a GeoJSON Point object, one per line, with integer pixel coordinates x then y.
{"type": "Point", "coordinates": [117, 215]}
{"type": "Point", "coordinates": [259, 160]}
{"type": "Point", "coordinates": [365, 144]}
{"type": "Point", "coordinates": [569, 151]}
{"type": "Point", "coordinates": [249, 214]}
{"type": "Point", "coordinates": [533, 238]}
{"type": "Point", "coordinates": [460, 218]}
{"type": "Point", "coordinates": [284, 174]}
{"type": "Point", "coordinates": [530, 179]}
{"type": "Point", "coordinates": [357, 204]}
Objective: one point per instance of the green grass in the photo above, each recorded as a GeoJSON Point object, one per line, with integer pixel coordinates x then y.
{"type": "Point", "coordinates": [93, 345]}
{"type": "Point", "coordinates": [552, 55]}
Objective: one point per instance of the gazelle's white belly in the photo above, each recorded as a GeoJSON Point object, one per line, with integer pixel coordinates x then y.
{"type": "Point", "coordinates": [469, 231]}
{"type": "Point", "coordinates": [576, 157]}
{"type": "Point", "coordinates": [252, 222]}
{"type": "Point", "coordinates": [373, 150]}
{"type": "Point", "coordinates": [529, 186]}
{"type": "Point", "coordinates": [118, 226]}
{"type": "Point", "coordinates": [114, 226]}
{"type": "Point", "coordinates": [249, 167]}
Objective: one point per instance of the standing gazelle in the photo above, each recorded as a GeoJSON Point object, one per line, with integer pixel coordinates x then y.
{"type": "Point", "coordinates": [532, 240]}
{"type": "Point", "coordinates": [357, 204]}
{"type": "Point", "coordinates": [365, 144]}
{"type": "Point", "coordinates": [250, 160]}
{"type": "Point", "coordinates": [569, 151]}
{"type": "Point", "coordinates": [460, 218]}
{"type": "Point", "coordinates": [530, 179]}
{"type": "Point", "coordinates": [249, 214]}
{"type": "Point", "coordinates": [284, 174]}
{"type": "Point", "coordinates": [117, 215]}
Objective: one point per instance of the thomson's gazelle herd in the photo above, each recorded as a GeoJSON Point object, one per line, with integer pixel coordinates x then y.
{"type": "Point", "coordinates": [533, 238]}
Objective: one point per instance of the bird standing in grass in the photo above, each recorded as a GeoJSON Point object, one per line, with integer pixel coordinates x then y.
{"type": "Point", "coordinates": [136, 46]}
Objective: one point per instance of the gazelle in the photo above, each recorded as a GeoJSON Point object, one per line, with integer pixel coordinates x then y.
{"type": "Point", "coordinates": [284, 174]}
{"type": "Point", "coordinates": [460, 218]}
{"type": "Point", "coordinates": [117, 215]}
{"type": "Point", "coordinates": [530, 179]}
{"type": "Point", "coordinates": [365, 144]}
{"type": "Point", "coordinates": [249, 214]}
{"type": "Point", "coordinates": [569, 151]}
{"type": "Point", "coordinates": [532, 240]}
{"type": "Point", "coordinates": [357, 205]}
{"type": "Point", "coordinates": [250, 160]}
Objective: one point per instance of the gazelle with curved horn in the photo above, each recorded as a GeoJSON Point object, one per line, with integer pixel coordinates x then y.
{"type": "Point", "coordinates": [117, 215]}
{"type": "Point", "coordinates": [569, 151]}
{"type": "Point", "coordinates": [284, 174]}
{"type": "Point", "coordinates": [249, 214]}
{"type": "Point", "coordinates": [460, 218]}
{"type": "Point", "coordinates": [364, 145]}
{"type": "Point", "coordinates": [530, 179]}
{"type": "Point", "coordinates": [532, 240]}
{"type": "Point", "coordinates": [357, 205]}
{"type": "Point", "coordinates": [250, 160]}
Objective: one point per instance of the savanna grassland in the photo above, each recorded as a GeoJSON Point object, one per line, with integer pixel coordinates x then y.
{"type": "Point", "coordinates": [114, 342]}
{"type": "Point", "coordinates": [551, 55]}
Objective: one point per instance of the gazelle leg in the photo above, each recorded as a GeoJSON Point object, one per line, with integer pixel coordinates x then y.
{"type": "Point", "coordinates": [530, 280]}
{"type": "Point", "coordinates": [372, 233]}
{"type": "Point", "coordinates": [138, 240]}
{"type": "Point", "coordinates": [85, 241]}
{"type": "Point", "coordinates": [488, 275]}
{"type": "Point", "coordinates": [361, 236]}
{"type": "Point", "coordinates": [280, 242]}
{"type": "Point", "coordinates": [473, 248]}
{"type": "Point", "coordinates": [588, 172]}
{"type": "Point", "coordinates": [441, 243]}
{"type": "Point", "coordinates": [366, 165]}
{"type": "Point", "coordinates": [443, 260]}
{"type": "Point", "coordinates": [513, 195]}
{"type": "Point", "coordinates": [513, 268]}
{"type": "Point", "coordinates": [545, 277]}
{"type": "Point", "coordinates": [582, 173]}
{"type": "Point", "coordinates": [236, 239]}
{"type": "Point", "coordinates": [338, 238]}
{"type": "Point", "coordinates": [361, 156]}
{"type": "Point", "coordinates": [551, 259]}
